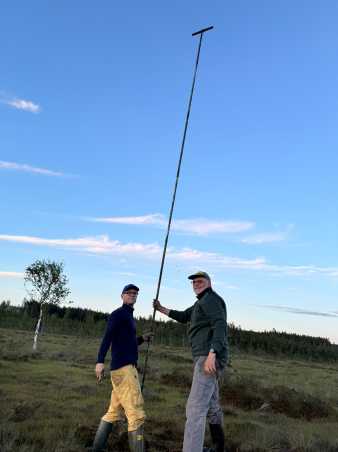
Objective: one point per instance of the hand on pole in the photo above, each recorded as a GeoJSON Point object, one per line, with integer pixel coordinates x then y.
{"type": "Point", "coordinates": [148, 337]}
{"type": "Point", "coordinates": [157, 305]}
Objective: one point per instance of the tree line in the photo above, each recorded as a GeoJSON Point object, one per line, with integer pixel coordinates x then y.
{"type": "Point", "coordinates": [90, 323]}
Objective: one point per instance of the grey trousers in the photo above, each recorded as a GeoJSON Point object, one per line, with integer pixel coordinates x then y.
{"type": "Point", "coordinates": [203, 403]}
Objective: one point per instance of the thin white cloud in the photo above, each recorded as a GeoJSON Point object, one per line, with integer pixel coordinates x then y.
{"type": "Point", "coordinates": [103, 245]}
{"type": "Point", "coordinates": [268, 237]}
{"type": "Point", "coordinates": [11, 274]}
{"type": "Point", "coordinates": [202, 257]}
{"type": "Point", "coordinates": [22, 104]}
{"type": "Point", "coordinates": [125, 273]}
{"type": "Point", "coordinates": [96, 245]}
{"type": "Point", "coordinates": [154, 218]}
{"type": "Point", "coordinates": [195, 226]}
{"type": "Point", "coordinates": [299, 311]}
{"type": "Point", "coordinates": [224, 285]}
{"type": "Point", "coordinates": [31, 169]}
{"type": "Point", "coordinates": [202, 226]}
{"type": "Point", "coordinates": [259, 239]}
{"type": "Point", "coordinates": [231, 287]}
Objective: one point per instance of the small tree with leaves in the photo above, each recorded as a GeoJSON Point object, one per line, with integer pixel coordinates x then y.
{"type": "Point", "coordinates": [45, 283]}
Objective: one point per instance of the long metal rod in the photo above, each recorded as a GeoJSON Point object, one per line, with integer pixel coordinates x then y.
{"type": "Point", "coordinates": [200, 32]}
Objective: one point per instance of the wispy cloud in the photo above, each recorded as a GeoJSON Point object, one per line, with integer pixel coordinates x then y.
{"type": "Point", "coordinates": [224, 285]}
{"type": "Point", "coordinates": [300, 311]}
{"type": "Point", "coordinates": [103, 245]}
{"type": "Point", "coordinates": [19, 104]}
{"type": "Point", "coordinates": [154, 218]}
{"type": "Point", "coordinates": [96, 245]}
{"type": "Point", "coordinates": [267, 237]}
{"type": "Point", "coordinates": [195, 226]}
{"type": "Point", "coordinates": [125, 274]}
{"type": "Point", "coordinates": [202, 226]}
{"type": "Point", "coordinates": [31, 169]}
{"type": "Point", "coordinates": [26, 105]}
{"type": "Point", "coordinates": [218, 260]}
{"type": "Point", "coordinates": [11, 274]}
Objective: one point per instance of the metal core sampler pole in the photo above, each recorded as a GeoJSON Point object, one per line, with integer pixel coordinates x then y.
{"type": "Point", "coordinates": [200, 33]}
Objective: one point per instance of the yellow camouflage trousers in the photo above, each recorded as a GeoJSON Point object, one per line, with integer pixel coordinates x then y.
{"type": "Point", "coordinates": [126, 397]}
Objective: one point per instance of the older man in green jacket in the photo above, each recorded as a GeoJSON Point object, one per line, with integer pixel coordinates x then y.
{"type": "Point", "coordinates": [208, 338]}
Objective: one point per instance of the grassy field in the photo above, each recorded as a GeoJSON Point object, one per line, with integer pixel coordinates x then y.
{"type": "Point", "coordinates": [49, 401]}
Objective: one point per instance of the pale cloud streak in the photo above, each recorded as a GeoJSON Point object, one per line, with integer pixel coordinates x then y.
{"type": "Point", "coordinates": [202, 226]}
{"type": "Point", "coordinates": [267, 237]}
{"type": "Point", "coordinates": [103, 245]}
{"type": "Point", "coordinates": [19, 104]}
{"type": "Point", "coordinates": [195, 226]}
{"type": "Point", "coordinates": [30, 169]}
{"type": "Point", "coordinates": [299, 311]}
{"type": "Point", "coordinates": [154, 218]}
{"type": "Point", "coordinates": [25, 105]}
{"type": "Point", "coordinates": [96, 245]}
{"type": "Point", "coordinates": [11, 274]}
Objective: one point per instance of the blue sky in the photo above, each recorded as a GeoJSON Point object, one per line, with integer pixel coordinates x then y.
{"type": "Point", "coordinates": [92, 104]}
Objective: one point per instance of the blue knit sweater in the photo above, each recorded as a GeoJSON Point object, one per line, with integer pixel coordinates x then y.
{"type": "Point", "coordinates": [120, 335]}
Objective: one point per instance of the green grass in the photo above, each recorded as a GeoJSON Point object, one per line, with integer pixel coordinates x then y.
{"type": "Point", "coordinates": [50, 400]}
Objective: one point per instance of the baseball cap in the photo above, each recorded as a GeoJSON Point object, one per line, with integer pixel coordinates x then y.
{"type": "Point", "coordinates": [130, 287]}
{"type": "Point", "coordinates": [199, 274]}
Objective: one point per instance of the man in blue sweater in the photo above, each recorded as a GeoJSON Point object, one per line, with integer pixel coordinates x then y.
{"type": "Point", "coordinates": [126, 394]}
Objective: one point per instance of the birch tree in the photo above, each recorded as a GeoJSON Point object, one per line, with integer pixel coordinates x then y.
{"type": "Point", "coordinates": [45, 283]}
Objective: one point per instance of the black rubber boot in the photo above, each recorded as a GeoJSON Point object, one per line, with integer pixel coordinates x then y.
{"type": "Point", "coordinates": [217, 436]}
{"type": "Point", "coordinates": [136, 441]}
{"type": "Point", "coordinates": [101, 436]}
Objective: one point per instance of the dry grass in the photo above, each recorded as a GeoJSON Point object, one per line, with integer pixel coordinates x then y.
{"type": "Point", "coordinates": [49, 401]}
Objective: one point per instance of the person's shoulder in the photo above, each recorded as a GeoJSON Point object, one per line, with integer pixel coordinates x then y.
{"type": "Point", "coordinates": [217, 296]}
{"type": "Point", "coordinates": [117, 312]}
{"type": "Point", "coordinates": [212, 295]}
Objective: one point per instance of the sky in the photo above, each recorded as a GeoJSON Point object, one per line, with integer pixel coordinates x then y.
{"type": "Point", "coordinates": [93, 98]}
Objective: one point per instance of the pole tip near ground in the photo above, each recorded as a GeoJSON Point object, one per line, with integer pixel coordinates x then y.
{"type": "Point", "coordinates": [202, 31]}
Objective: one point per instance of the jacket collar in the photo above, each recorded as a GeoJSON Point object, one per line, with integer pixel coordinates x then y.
{"type": "Point", "coordinates": [205, 291]}
{"type": "Point", "coordinates": [128, 307]}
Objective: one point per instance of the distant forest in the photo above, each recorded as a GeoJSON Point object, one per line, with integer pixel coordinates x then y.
{"type": "Point", "coordinates": [86, 322]}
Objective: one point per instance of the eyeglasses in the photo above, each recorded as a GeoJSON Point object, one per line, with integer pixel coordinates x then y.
{"type": "Point", "coordinates": [198, 282]}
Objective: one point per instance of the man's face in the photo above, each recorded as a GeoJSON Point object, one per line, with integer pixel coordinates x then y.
{"type": "Point", "coordinates": [200, 284]}
{"type": "Point", "coordinates": [129, 297]}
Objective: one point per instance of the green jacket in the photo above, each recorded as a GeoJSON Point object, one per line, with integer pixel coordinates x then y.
{"type": "Point", "coordinates": [208, 325]}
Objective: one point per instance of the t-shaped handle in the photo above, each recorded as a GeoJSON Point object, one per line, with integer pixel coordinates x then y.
{"type": "Point", "coordinates": [202, 31]}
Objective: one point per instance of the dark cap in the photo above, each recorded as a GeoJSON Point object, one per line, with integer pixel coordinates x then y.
{"type": "Point", "coordinates": [130, 287]}
{"type": "Point", "coordinates": [200, 274]}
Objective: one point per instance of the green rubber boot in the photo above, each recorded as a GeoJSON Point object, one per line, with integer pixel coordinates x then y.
{"type": "Point", "coordinates": [217, 436]}
{"type": "Point", "coordinates": [101, 436]}
{"type": "Point", "coordinates": [136, 441]}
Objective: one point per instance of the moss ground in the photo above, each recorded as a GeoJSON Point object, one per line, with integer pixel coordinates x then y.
{"type": "Point", "coordinates": [50, 400]}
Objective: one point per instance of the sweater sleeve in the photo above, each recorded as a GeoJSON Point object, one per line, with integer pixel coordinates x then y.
{"type": "Point", "coordinates": [181, 316]}
{"type": "Point", "coordinates": [215, 310]}
{"type": "Point", "coordinates": [107, 338]}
